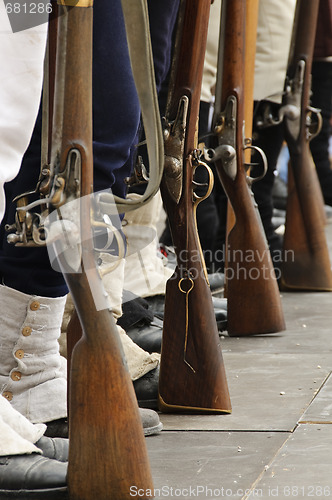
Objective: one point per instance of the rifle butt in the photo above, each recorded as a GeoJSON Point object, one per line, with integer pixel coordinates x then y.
{"type": "Point", "coordinates": [306, 263]}
{"type": "Point", "coordinates": [192, 373]}
{"type": "Point", "coordinates": [255, 307]}
{"type": "Point", "coordinates": [253, 298]}
{"type": "Point", "coordinates": [107, 452]}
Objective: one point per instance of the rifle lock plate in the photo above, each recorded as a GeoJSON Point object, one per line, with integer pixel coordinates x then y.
{"type": "Point", "coordinates": [174, 139]}
{"type": "Point", "coordinates": [292, 101]}
{"type": "Point", "coordinates": [225, 130]}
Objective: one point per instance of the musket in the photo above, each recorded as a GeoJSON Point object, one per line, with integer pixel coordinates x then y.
{"type": "Point", "coordinates": [251, 282]}
{"type": "Point", "coordinates": [192, 373]}
{"type": "Point", "coordinates": [107, 452]}
{"type": "Point", "coordinates": [249, 57]}
{"type": "Point", "coordinates": [309, 267]}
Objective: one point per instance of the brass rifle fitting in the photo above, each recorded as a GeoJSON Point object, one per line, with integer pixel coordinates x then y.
{"type": "Point", "coordinates": [76, 3]}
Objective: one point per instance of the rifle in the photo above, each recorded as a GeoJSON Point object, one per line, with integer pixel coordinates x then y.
{"type": "Point", "coordinates": [107, 450]}
{"type": "Point", "coordinates": [304, 239]}
{"type": "Point", "coordinates": [192, 373]}
{"type": "Point", "coordinates": [251, 278]}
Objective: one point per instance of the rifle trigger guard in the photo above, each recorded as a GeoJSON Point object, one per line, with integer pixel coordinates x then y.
{"type": "Point", "coordinates": [252, 180]}
{"type": "Point", "coordinates": [197, 199]}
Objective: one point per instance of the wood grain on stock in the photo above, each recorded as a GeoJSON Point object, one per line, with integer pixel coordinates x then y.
{"type": "Point", "coordinates": [107, 450]}
{"type": "Point", "coordinates": [192, 373]}
{"type": "Point", "coordinates": [254, 305]}
{"type": "Point", "coordinates": [307, 266]}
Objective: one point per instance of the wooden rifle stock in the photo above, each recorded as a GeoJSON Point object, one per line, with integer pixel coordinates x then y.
{"type": "Point", "coordinates": [253, 304]}
{"type": "Point", "coordinates": [306, 263]}
{"type": "Point", "coordinates": [107, 451]}
{"type": "Point", "coordinates": [192, 375]}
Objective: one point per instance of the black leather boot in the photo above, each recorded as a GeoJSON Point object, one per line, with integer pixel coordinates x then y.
{"type": "Point", "coordinates": [32, 477]}
{"type": "Point", "coordinates": [139, 323]}
{"type": "Point", "coordinates": [147, 387]}
{"type": "Point", "coordinates": [57, 428]}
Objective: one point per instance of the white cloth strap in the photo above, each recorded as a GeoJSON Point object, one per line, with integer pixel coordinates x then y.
{"type": "Point", "coordinates": [17, 433]}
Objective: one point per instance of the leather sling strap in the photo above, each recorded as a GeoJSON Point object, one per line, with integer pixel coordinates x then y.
{"type": "Point", "coordinates": [140, 51]}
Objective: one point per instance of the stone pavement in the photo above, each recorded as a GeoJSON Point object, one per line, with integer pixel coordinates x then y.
{"type": "Point", "coordinates": [277, 443]}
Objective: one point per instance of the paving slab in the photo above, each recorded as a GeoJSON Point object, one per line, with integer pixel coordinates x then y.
{"type": "Point", "coordinates": [320, 410]}
{"type": "Point", "coordinates": [301, 469]}
{"type": "Point", "coordinates": [210, 465]}
{"type": "Point", "coordinates": [308, 319]}
{"type": "Point", "coordinates": [268, 392]}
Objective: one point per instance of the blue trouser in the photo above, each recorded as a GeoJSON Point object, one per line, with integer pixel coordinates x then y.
{"type": "Point", "coordinates": [116, 116]}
